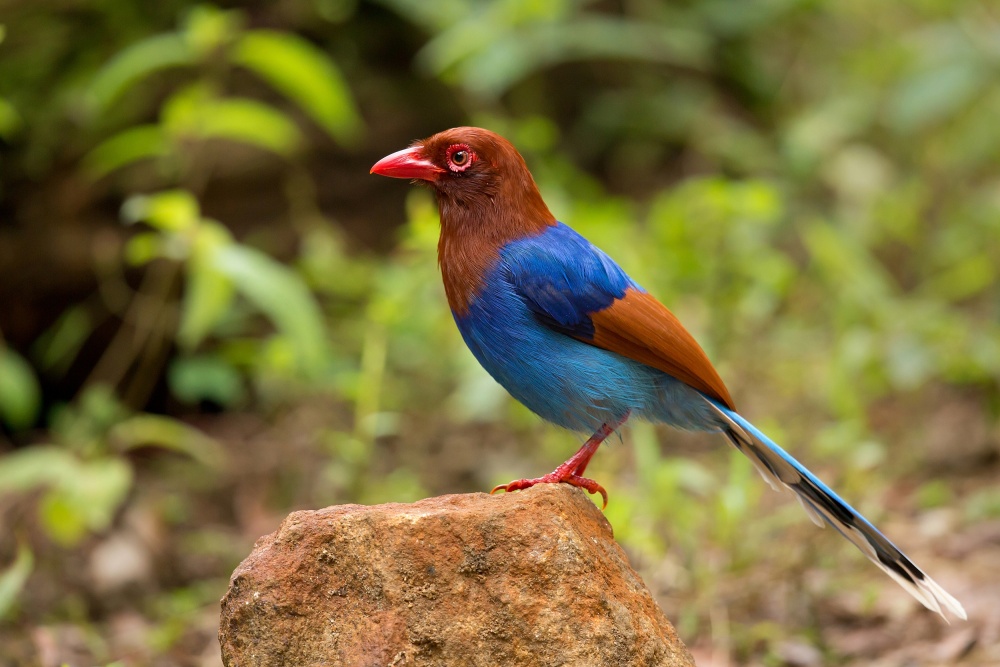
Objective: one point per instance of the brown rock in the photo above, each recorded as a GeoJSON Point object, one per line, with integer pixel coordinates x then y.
{"type": "Point", "coordinates": [527, 578]}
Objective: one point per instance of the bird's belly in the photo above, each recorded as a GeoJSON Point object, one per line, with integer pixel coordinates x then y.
{"type": "Point", "coordinates": [569, 382]}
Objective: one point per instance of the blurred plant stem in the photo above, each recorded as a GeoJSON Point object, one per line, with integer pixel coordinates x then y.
{"type": "Point", "coordinates": [373, 363]}
{"type": "Point", "coordinates": [141, 343]}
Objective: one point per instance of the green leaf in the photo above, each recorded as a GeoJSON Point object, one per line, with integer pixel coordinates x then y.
{"type": "Point", "coordinates": [61, 519]}
{"type": "Point", "coordinates": [12, 579]}
{"type": "Point", "coordinates": [206, 28]}
{"type": "Point", "coordinates": [208, 292]}
{"type": "Point", "coordinates": [138, 143]}
{"type": "Point", "coordinates": [85, 424]}
{"type": "Point", "coordinates": [207, 297]}
{"type": "Point", "coordinates": [305, 75]}
{"type": "Point", "coordinates": [432, 17]}
{"type": "Point", "coordinates": [10, 120]}
{"type": "Point", "coordinates": [170, 210]}
{"type": "Point", "coordinates": [490, 64]}
{"type": "Point", "coordinates": [196, 113]}
{"type": "Point", "coordinates": [137, 62]}
{"type": "Point", "coordinates": [935, 94]}
{"type": "Point", "coordinates": [967, 278]}
{"type": "Point", "coordinates": [154, 430]}
{"type": "Point", "coordinates": [144, 247]}
{"type": "Point", "coordinates": [34, 467]}
{"type": "Point", "coordinates": [205, 378]}
{"type": "Point", "coordinates": [837, 255]}
{"type": "Point", "coordinates": [182, 111]}
{"type": "Point", "coordinates": [80, 495]}
{"type": "Point", "coordinates": [100, 486]}
{"type": "Point", "coordinates": [281, 295]}
{"type": "Point", "coordinates": [55, 349]}
{"type": "Point", "coordinates": [252, 123]}
{"type": "Point", "coordinates": [86, 499]}
{"type": "Point", "coordinates": [20, 395]}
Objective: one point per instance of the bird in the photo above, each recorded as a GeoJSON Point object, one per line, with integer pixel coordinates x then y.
{"type": "Point", "coordinates": [565, 330]}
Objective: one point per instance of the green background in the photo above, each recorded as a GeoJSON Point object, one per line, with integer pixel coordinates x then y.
{"type": "Point", "coordinates": [212, 315]}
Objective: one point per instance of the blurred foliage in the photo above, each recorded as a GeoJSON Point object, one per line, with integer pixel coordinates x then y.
{"type": "Point", "coordinates": [211, 43]}
{"type": "Point", "coordinates": [217, 269]}
{"type": "Point", "coordinates": [810, 185]}
{"type": "Point", "coordinates": [84, 474]}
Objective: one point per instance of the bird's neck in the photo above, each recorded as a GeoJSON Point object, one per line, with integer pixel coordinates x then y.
{"type": "Point", "coordinates": [473, 232]}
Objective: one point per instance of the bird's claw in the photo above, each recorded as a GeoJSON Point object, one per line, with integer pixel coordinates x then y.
{"type": "Point", "coordinates": [584, 483]}
{"type": "Point", "coordinates": [590, 486]}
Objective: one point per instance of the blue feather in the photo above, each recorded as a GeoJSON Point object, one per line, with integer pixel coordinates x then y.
{"type": "Point", "coordinates": [541, 288]}
{"type": "Point", "coordinates": [782, 471]}
{"type": "Point", "coordinates": [563, 278]}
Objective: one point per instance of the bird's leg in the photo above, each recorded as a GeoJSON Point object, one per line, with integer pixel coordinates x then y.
{"type": "Point", "coordinates": [572, 470]}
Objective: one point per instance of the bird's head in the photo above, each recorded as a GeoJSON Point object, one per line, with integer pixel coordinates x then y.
{"type": "Point", "coordinates": [474, 171]}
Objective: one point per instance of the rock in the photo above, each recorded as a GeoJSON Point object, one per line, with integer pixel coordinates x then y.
{"type": "Point", "coordinates": [527, 578]}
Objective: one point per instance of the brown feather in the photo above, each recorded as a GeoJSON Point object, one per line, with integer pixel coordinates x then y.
{"type": "Point", "coordinates": [639, 327]}
{"type": "Point", "coordinates": [482, 209]}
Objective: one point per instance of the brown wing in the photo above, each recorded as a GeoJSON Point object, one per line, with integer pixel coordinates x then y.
{"type": "Point", "coordinates": [639, 327]}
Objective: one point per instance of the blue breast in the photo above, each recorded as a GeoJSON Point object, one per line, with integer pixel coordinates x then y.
{"type": "Point", "coordinates": [564, 380]}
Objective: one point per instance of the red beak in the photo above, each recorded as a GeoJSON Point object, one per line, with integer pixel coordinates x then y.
{"type": "Point", "coordinates": [407, 163]}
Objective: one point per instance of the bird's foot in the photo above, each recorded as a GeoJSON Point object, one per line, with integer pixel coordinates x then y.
{"type": "Point", "coordinates": [571, 472]}
{"type": "Point", "coordinates": [555, 477]}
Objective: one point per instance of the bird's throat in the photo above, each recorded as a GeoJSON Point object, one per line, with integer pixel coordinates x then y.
{"type": "Point", "coordinates": [473, 232]}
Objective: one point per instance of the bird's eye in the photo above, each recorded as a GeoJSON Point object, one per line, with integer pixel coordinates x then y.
{"type": "Point", "coordinates": [460, 157]}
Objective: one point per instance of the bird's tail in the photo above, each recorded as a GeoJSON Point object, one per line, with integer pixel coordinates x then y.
{"type": "Point", "coordinates": [783, 472]}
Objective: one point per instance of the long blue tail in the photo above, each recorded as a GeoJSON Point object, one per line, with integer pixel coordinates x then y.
{"type": "Point", "coordinates": [782, 471]}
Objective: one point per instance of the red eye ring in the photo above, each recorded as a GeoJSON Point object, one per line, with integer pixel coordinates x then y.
{"type": "Point", "coordinates": [460, 157]}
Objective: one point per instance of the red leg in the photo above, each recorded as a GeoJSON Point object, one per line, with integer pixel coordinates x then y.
{"type": "Point", "coordinates": [572, 470]}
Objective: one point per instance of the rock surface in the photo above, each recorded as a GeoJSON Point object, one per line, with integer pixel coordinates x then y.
{"type": "Point", "coordinates": [527, 578]}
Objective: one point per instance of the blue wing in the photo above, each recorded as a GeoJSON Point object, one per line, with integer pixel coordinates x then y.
{"type": "Point", "coordinates": [563, 279]}
{"type": "Point", "coordinates": [572, 287]}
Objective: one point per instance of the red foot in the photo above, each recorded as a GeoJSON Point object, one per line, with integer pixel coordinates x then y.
{"type": "Point", "coordinates": [572, 470]}
{"type": "Point", "coordinates": [554, 478]}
